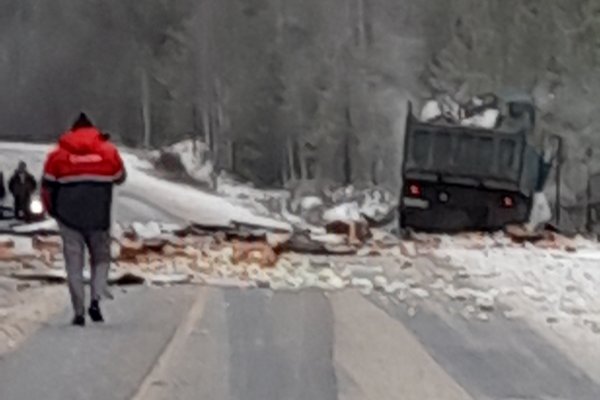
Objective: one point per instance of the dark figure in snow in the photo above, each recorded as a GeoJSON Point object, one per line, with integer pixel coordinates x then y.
{"type": "Point", "coordinates": [22, 185]}
{"type": "Point", "coordinates": [77, 187]}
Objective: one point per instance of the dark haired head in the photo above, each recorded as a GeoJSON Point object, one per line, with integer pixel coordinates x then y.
{"type": "Point", "coordinates": [82, 122]}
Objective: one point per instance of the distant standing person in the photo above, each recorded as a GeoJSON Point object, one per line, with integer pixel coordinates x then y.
{"type": "Point", "coordinates": [22, 185]}
{"type": "Point", "coordinates": [77, 190]}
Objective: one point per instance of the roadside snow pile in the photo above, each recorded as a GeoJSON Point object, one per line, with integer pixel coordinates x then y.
{"type": "Point", "coordinates": [261, 201]}
{"type": "Point", "coordinates": [185, 202]}
{"type": "Point", "coordinates": [189, 158]}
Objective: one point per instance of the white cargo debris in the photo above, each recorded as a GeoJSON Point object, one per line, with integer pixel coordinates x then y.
{"type": "Point", "coordinates": [451, 110]}
{"type": "Point", "coordinates": [488, 119]}
{"type": "Point", "coordinates": [376, 205]}
{"type": "Point", "coordinates": [394, 287]}
{"type": "Point", "coordinates": [461, 294]}
{"type": "Point", "coordinates": [170, 279]}
{"type": "Point", "coordinates": [420, 293]}
{"type": "Point", "coordinates": [483, 317]}
{"type": "Point", "coordinates": [533, 293]}
{"type": "Point", "coordinates": [23, 247]}
{"type": "Point", "coordinates": [310, 202]}
{"type": "Point", "coordinates": [362, 271]}
{"type": "Point", "coordinates": [329, 238]}
{"type": "Point", "coordinates": [540, 212]}
{"type": "Point", "coordinates": [150, 230]}
{"type": "Point", "coordinates": [431, 111]}
{"type": "Point", "coordinates": [364, 285]}
{"type": "Point", "coordinates": [344, 212]}
{"type": "Point", "coordinates": [380, 282]}
{"type": "Point", "coordinates": [116, 231]}
{"type": "Point", "coordinates": [170, 228]}
{"type": "Point", "coordinates": [485, 302]}
{"type": "Point", "coordinates": [227, 282]}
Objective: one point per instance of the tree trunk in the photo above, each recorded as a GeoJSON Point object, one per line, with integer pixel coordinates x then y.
{"type": "Point", "coordinates": [347, 150]}
{"type": "Point", "coordinates": [291, 160]}
{"type": "Point", "coordinates": [146, 108]}
{"type": "Point", "coordinates": [206, 128]}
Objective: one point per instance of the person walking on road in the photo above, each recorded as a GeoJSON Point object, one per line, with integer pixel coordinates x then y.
{"type": "Point", "coordinates": [22, 185]}
{"type": "Point", "coordinates": [77, 187]}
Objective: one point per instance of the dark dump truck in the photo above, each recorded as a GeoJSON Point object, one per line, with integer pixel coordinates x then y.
{"type": "Point", "coordinates": [468, 178]}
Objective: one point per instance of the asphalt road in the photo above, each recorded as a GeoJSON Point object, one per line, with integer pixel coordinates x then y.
{"type": "Point", "coordinates": [201, 343]}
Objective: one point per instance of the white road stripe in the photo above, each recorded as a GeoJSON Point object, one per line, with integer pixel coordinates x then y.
{"type": "Point", "coordinates": [377, 358]}
{"type": "Point", "coordinates": [176, 345]}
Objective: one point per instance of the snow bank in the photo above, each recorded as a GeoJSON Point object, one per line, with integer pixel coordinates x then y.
{"type": "Point", "coordinates": [185, 202]}
{"type": "Point", "coordinates": [194, 157]}
{"type": "Point", "coordinates": [261, 201]}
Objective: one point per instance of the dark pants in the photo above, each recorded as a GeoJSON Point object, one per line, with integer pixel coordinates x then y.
{"type": "Point", "coordinates": [74, 246]}
{"type": "Point", "coordinates": [22, 207]}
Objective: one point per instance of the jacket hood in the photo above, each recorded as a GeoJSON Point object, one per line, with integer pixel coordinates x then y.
{"type": "Point", "coordinates": [81, 141]}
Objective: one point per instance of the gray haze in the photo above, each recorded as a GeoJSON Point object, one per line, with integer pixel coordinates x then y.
{"type": "Point", "coordinates": [290, 91]}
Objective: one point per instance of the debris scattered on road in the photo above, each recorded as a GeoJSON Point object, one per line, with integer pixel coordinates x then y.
{"type": "Point", "coordinates": [480, 276]}
{"type": "Point", "coordinates": [420, 293]}
{"type": "Point", "coordinates": [483, 317]}
{"type": "Point", "coordinates": [50, 243]}
{"type": "Point", "coordinates": [485, 302]}
{"type": "Point", "coordinates": [412, 312]}
{"type": "Point", "coordinates": [520, 234]}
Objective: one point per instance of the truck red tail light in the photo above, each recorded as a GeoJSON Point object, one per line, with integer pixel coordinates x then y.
{"type": "Point", "coordinates": [414, 190]}
{"type": "Point", "coordinates": [508, 202]}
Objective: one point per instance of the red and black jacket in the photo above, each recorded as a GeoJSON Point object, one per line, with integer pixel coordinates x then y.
{"type": "Point", "coordinates": [78, 179]}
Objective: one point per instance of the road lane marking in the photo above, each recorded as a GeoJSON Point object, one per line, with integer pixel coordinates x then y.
{"type": "Point", "coordinates": [174, 346]}
{"type": "Point", "coordinates": [377, 357]}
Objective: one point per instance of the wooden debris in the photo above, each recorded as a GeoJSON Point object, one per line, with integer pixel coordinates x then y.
{"type": "Point", "coordinates": [130, 249]}
{"type": "Point", "coordinates": [254, 252]}
{"type": "Point", "coordinates": [356, 231]}
{"type": "Point", "coordinates": [50, 243]}
{"type": "Point", "coordinates": [519, 234]}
